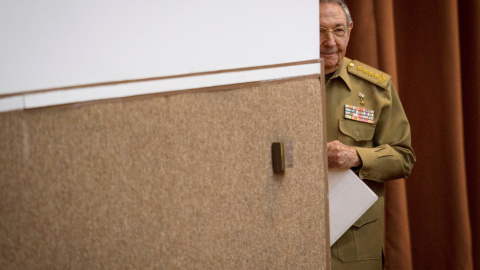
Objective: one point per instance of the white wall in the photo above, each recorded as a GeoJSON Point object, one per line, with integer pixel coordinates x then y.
{"type": "Point", "coordinates": [56, 43]}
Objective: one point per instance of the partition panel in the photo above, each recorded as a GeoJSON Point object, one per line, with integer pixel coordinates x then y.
{"type": "Point", "coordinates": [177, 181]}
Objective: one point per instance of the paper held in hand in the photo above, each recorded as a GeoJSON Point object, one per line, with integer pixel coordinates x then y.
{"type": "Point", "coordinates": [349, 197]}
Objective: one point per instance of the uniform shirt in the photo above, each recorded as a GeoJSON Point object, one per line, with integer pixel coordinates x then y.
{"type": "Point", "coordinates": [364, 111]}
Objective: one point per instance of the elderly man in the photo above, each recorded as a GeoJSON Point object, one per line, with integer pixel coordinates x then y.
{"type": "Point", "coordinates": [367, 131]}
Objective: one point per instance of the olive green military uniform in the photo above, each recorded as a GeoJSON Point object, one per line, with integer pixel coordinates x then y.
{"type": "Point", "coordinates": [364, 111]}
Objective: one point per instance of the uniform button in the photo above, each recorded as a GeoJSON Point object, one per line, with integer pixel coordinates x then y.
{"type": "Point", "coordinates": [357, 133]}
{"type": "Point", "coordinates": [351, 64]}
{"type": "Point", "coordinates": [365, 173]}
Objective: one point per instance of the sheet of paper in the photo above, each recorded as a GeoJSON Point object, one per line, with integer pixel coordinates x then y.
{"type": "Point", "coordinates": [349, 197]}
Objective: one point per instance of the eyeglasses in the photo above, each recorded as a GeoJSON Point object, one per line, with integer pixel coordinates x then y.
{"type": "Point", "coordinates": [338, 31]}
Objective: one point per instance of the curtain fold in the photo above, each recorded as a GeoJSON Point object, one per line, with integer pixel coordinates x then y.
{"type": "Point", "coordinates": [432, 50]}
{"type": "Point", "coordinates": [470, 58]}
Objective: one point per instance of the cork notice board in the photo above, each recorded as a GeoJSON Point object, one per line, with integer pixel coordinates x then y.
{"type": "Point", "coordinates": [167, 182]}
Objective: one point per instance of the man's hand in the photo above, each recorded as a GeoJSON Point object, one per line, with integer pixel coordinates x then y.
{"type": "Point", "coordinates": [342, 156]}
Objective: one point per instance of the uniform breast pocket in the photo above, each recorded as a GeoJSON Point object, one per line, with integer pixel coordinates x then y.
{"type": "Point", "coordinates": [355, 133]}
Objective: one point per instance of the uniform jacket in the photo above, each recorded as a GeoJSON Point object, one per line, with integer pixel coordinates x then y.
{"type": "Point", "coordinates": [364, 111]}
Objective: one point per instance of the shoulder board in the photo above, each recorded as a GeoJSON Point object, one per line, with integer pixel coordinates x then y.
{"type": "Point", "coordinates": [368, 73]}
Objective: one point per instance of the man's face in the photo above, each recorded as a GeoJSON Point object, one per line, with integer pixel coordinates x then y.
{"type": "Point", "coordinates": [333, 48]}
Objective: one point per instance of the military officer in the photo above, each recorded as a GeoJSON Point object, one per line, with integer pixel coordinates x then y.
{"type": "Point", "coordinates": [367, 131]}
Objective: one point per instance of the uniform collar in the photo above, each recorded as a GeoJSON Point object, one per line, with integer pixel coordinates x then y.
{"type": "Point", "coordinates": [343, 73]}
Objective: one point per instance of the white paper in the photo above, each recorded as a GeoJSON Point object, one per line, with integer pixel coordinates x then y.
{"type": "Point", "coordinates": [349, 198]}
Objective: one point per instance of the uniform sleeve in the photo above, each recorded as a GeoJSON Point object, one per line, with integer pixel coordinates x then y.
{"type": "Point", "coordinates": [393, 157]}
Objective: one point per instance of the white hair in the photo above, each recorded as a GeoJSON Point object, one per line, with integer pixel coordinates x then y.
{"type": "Point", "coordinates": [342, 4]}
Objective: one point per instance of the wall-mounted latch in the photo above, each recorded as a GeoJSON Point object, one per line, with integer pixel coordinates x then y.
{"type": "Point", "coordinates": [278, 157]}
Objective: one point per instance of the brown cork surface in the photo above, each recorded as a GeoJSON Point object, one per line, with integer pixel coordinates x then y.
{"type": "Point", "coordinates": [171, 182]}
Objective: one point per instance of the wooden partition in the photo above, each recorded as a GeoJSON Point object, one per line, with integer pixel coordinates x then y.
{"type": "Point", "coordinates": [143, 141]}
{"type": "Point", "coordinates": [181, 181]}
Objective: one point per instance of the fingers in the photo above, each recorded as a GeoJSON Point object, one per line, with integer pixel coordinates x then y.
{"type": "Point", "coordinates": [342, 156]}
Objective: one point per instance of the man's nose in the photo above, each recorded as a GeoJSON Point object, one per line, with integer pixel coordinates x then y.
{"type": "Point", "coordinates": [330, 39]}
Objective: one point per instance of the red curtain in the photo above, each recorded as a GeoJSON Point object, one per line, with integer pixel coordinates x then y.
{"type": "Point", "coordinates": [432, 50]}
